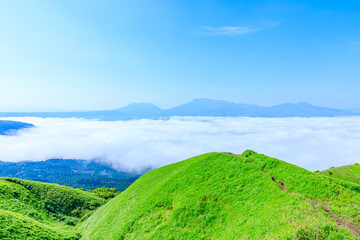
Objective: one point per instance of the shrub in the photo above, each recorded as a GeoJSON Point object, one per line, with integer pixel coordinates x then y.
{"type": "Point", "coordinates": [106, 193]}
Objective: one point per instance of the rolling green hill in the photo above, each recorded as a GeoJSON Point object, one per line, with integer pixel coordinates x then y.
{"type": "Point", "coordinates": [33, 210]}
{"type": "Point", "coordinates": [227, 196]}
{"type": "Point", "coordinates": [211, 196]}
{"type": "Point", "coordinates": [350, 173]}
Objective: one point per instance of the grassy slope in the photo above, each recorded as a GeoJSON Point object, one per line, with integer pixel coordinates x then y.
{"type": "Point", "coordinates": [32, 210]}
{"type": "Point", "coordinates": [342, 197]}
{"type": "Point", "coordinates": [349, 173]}
{"type": "Point", "coordinates": [218, 196]}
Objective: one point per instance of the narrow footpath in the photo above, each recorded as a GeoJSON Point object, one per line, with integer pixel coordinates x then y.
{"type": "Point", "coordinates": [353, 228]}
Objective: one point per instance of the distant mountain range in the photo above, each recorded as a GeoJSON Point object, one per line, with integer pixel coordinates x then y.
{"type": "Point", "coordinates": [72, 173]}
{"type": "Point", "coordinates": [8, 127]}
{"type": "Point", "coordinates": [197, 107]}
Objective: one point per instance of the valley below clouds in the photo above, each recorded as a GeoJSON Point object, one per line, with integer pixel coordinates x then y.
{"type": "Point", "coordinates": [312, 143]}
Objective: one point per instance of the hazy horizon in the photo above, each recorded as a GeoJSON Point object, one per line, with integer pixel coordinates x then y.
{"type": "Point", "coordinates": [22, 109]}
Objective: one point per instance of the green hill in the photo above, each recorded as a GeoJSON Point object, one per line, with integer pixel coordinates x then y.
{"type": "Point", "coordinates": [226, 196]}
{"type": "Point", "coordinates": [350, 173]}
{"type": "Point", "coordinates": [33, 210]}
{"type": "Point", "coordinates": [212, 196]}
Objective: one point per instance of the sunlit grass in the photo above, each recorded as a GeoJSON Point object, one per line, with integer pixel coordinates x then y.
{"type": "Point", "coordinates": [218, 196]}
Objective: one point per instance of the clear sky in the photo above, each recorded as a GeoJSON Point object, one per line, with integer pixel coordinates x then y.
{"type": "Point", "coordinates": [75, 54]}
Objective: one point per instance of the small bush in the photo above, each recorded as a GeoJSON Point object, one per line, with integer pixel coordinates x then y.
{"type": "Point", "coordinates": [106, 193]}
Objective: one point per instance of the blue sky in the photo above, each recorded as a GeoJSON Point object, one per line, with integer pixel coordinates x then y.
{"type": "Point", "coordinates": [106, 54]}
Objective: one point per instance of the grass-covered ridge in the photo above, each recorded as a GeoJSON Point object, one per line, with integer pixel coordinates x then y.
{"type": "Point", "coordinates": [33, 210]}
{"type": "Point", "coordinates": [223, 196]}
{"type": "Point", "coordinates": [350, 173]}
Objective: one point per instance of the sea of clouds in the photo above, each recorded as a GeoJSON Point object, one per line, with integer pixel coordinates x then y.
{"type": "Point", "coordinates": [312, 143]}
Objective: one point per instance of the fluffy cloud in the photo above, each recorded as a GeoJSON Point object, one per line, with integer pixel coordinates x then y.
{"type": "Point", "coordinates": [313, 143]}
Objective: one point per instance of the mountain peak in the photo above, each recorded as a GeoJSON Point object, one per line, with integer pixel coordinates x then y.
{"type": "Point", "coordinates": [140, 110]}
{"type": "Point", "coordinates": [303, 104]}
{"type": "Point", "coordinates": [141, 105]}
{"type": "Point", "coordinates": [207, 100]}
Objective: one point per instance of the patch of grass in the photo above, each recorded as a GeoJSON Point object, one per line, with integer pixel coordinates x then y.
{"type": "Point", "coordinates": [18, 226]}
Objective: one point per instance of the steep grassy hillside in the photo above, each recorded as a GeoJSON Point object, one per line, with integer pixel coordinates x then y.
{"type": "Point", "coordinates": [32, 210]}
{"type": "Point", "coordinates": [350, 173]}
{"type": "Point", "coordinates": [226, 196]}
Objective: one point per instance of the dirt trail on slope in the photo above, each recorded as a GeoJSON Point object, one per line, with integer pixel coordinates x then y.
{"type": "Point", "coordinates": [279, 183]}
{"type": "Point", "coordinates": [354, 228]}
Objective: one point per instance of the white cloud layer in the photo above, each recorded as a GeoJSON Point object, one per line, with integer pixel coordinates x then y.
{"type": "Point", "coordinates": [312, 143]}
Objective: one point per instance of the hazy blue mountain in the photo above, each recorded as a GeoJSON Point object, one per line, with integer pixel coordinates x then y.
{"type": "Point", "coordinates": [198, 107]}
{"type": "Point", "coordinates": [304, 109]}
{"type": "Point", "coordinates": [8, 127]}
{"type": "Point", "coordinates": [69, 172]}
{"type": "Point", "coordinates": [141, 110]}
{"type": "Point", "coordinates": [132, 111]}
{"type": "Point", "coordinates": [209, 107]}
